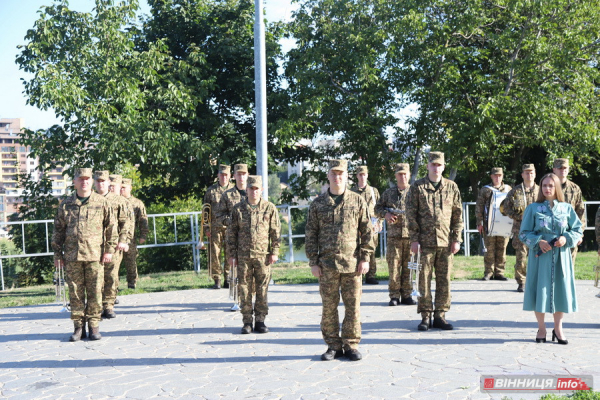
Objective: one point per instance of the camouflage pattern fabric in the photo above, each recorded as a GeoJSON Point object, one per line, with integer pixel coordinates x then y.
{"type": "Point", "coordinates": [494, 259]}
{"type": "Point", "coordinates": [85, 280]}
{"type": "Point", "coordinates": [394, 198]}
{"type": "Point", "coordinates": [574, 197]}
{"type": "Point", "coordinates": [228, 200]}
{"type": "Point", "coordinates": [330, 283]}
{"type": "Point", "coordinates": [111, 280]}
{"type": "Point", "coordinates": [515, 204]}
{"type": "Point", "coordinates": [217, 231]}
{"type": "Point", "coordinates": [140, 232]}
{"type": "Point", "coordinates": [253, 274]}
{"type": "Point", "coordinates": [365, 193]}
{"type": "Point", "coordinates": [438, 259]}
{"type": "Point", "coordinates": [398, 256]}
{"type": "Point", "coordinates": [482, 205]}
{"type": "Point", "coordinates": [597, 225]}
{"type": "Point", "coordinates": [129, 260]}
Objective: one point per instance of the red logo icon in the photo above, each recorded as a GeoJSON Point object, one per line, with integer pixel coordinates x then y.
{"type": "Point", "coordinates": [488, 383]}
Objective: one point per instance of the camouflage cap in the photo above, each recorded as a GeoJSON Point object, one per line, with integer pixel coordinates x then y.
{"type": "Point", "coordinates": [496, 171]}
{"type": "Point", "coordinates": [436, 157]}
{"type": "Point", "coordinates": [224, 169]}
{"type": "Point", "coordinates": [126, 181]}
{"type": "Point", "coordinates": [254, 181]}
{"type": "Point", "coordinates": [115, 179]}
{"type": "Point", "coordinates": [83, 172]}
{"type": "Point", "coordinates": [561, 163]}
{"type": "Point", "coordinates": [401, 168]}
{"type": "Point", "coordinates": [528, 167]}
{"type": "Point", "coordinates": [101, 175]}
{"type": "Point", "coordinates": [338, 165]}
{"type": "Point", "coordinates": [362, 169]}
{"type": "Point", "coordinates": [240, 168]}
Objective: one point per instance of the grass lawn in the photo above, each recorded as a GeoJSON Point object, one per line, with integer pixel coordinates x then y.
{"type": "Point", "coordinates": [465, 268]}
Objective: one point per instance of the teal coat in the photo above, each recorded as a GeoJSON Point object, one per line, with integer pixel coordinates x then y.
{"type": "Point", "coordinates": [550, 284]}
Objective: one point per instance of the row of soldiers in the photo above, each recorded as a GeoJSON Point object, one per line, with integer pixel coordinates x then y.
{"type": "Point", "coordinates": [93, 233]}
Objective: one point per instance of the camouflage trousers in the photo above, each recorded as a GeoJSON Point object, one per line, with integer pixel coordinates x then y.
{"type": "Point", "coordinates": [216, 244]}
{"type": "Point", "coordinates": [494, 258]}
{"type": "Point", "coordinates": [398, 255]}
{"type": "Point", "coordinates": [372, 260]}
{"type": "Point", "coordinates": [130, 262]}
{"type": "Point", "coordinates": [438, 259]}
{"type": "Point", "coordinates": [85, 280]}
{"type": "Point", "coordinates": [331, 283]}
{"type": "Point", "coordinates": [111, 280]}
{"type": "Point", "coordinates": [253, 274]}
{"type": "Point", "coordinates": [521, 251]}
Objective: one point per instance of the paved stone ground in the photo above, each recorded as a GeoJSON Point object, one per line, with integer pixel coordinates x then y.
{"type": "Point", "coordinates": [187, 345]}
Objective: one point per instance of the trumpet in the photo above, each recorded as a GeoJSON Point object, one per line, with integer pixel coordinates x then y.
{"type": "Point", "coordinates": [414, 265]}
{"type": "Point", "coordinates": [205, 224]}
{"type": "Point", "coordinates": [233, 286]}
{"type": "Point", "coordinates": [59, 288]}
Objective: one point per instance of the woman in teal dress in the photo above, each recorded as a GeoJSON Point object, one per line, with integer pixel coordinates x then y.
{"type": "Point", "coordinates": [550, 282]}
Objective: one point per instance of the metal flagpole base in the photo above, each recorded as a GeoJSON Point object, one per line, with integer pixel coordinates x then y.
{"type": "Point", "coordinates": [235, 307]}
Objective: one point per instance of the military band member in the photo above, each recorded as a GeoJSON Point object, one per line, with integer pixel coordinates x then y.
{"type": "Point", "coordinates": [140, 233]}
{"type": "Point", "coordinates": [398, 244]}
{"type": "Point", "coordinates": [253, 246]}
{"type": "Point", "coordinates": [495, 255]}
{"type": "Point", "coordinates": [232, 196]}
{"type": "Point", "coordinates": [434, 214]}
{"type": "Point", "coordinates": [85, 235]}
{"type": "Point", "coordinates": [121, 209]}
{"type": "Point", "coordinates": [572, 193]}
{"type": "Point", "coordinates": [339, 244]}
{"type": "Point", "coordinates": [370, 195]}
{"type": "Point", "coordinates": [515, 204]}
{"type": "Point", "coordinates": [216, 234]}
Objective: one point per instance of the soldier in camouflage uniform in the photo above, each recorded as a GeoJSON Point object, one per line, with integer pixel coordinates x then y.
{"type": "Point", "coordinates": [434, 214]}
{"type": "Point", "coordinates": [124, 215]}
{"type": "Point", "coordinates": [140, 233]}
{"type": "Point", "coordinates": [370, 195]}
{"type": "Point", "coordinates": [252, 246]}
{"type": "Point", "coordinates": [495, 254]}
{"type": "Point", "coordinates": [398, 244]}
{"type": "Point", "coordinates": [85, 235]}
{"type": "Point", "coordinates": [216, 234]}
{"type": "Point", "coordinates": [515, 204]}
{"type": "Point", "coordinates": [339, 244]}
{"type": "Point", "coordinates": [573, 196]}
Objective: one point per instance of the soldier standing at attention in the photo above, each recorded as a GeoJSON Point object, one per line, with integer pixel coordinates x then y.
{"type": "Point", "coordinates": [124, 216]}
{"type": "Point", "coordinates": [371, 196]}
{"type": "Point", "coordinates": [516, 202]}
{"type": "Point", "coordinates": [339, 244]}
{"type": "Point", "coordinates": [398, 244]}
{"type": "Point", "coordinates": [434, 213]}
{"type": "Point", "coordinates": [232, 196]}
{"type": "Point", "coordinates": [85, 235]}
{"type": "Point", "coordinates": [253, 246]}
{"type": "Point", "coordinates": [572, 193]}
{"type": "Point", "coordinates": [139, 236]}
{"type": "Point", "coordinates": [216, 234]}
{"type": "Point", "coordinates": [495, 255]}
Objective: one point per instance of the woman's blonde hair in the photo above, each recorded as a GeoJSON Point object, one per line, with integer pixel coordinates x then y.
{"type": "Point", "coordinates": [557, 188]}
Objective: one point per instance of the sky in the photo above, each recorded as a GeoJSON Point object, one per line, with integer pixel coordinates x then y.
{"type": "Point", "coordinates": [19, 15]}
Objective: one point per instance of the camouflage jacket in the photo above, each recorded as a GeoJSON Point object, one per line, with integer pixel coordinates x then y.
{"type": "Point", "coordinates": [574, 197]}
{"type": "Point", "coordinates": [338, 236]}
{"type": "Point", "coordinates": [228, 200]}
{"type": "Point", "coordinates": [434, 216]}
{"type": "Point", "coordinates": [365, 193]}
{"type": "Point", "coordinates": [213, 197]}
{"type": "Point", "coordinates": [83, 232]}
{"type": "Point", "coordinates": [141, 219]}
{"type": "Point", "coordinates": [253, 232]}
{"type": "Point", "coordinates": [123, 211]}
{"type": "Point", "coordinates": [394, 198]}
{"type": "Point", "coordinates": [517, 201]}
{"type": "Point", "coordinates": [484, 200]}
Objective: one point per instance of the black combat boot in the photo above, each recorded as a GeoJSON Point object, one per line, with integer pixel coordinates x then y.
{"type": "Point", "coordinates": [94, 332]}
{"type": "Point", "coordinates": [247, 329]}
{"type": "Point", "coordinates": [217, 284]}
{"type": "Point", "coordinates": [394, 301]}
{"type": "Point", "coordinates": [78, 334]}
{"type": "Point", "coordinates": [408, 301]}
{"type": "Point", "coordinates": [330, 354]}
{"type": "Point", "coordinates": [353, 354]}
{"type": "Point", "coordinates": [440, 322]}
{"type": "Point", "coordinates": [260, 327]}
{"type": "Point", "coordinates": [109, 313]}
{"type": "Point", "coordinates": [425, 324]}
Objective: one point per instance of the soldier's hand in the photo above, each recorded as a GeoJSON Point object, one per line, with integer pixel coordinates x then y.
{"type": "Point", "coordinates": [390, 218]}
{"type": "Point", "coordinates": [106, 258]}
{"type": "Point", "coordinates": [126, 249]}
{"type": "Point", "coordinates": [121, 246]}
{"type": "Point", "coordinates": [414, 247]}
{"type": "Point", "coordinates": [480, 229]}
{"type": "Point", "coordinates": [363, 267]}
{"type": "Point", "coordinates": [316, 270]}
{"type": "Point", "coordinates": [455, 247]}
{"type": "Point", "coordinates": [141, 241]}
{"type": "Point", "coordinates": [272, 259]}
{"type": "Point", "coordinates": [232, 261]}
{"type": "Point", "coordinates": [58, 263]}
{"type": "Point", "coordinates": [208, 234]}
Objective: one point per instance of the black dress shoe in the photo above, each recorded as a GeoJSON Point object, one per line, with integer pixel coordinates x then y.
{"type": "Point", "coordinates": [440, 323]}
{"type": "Point", "coordinates": [539, 339]}
{"type": "Point", "coordinates": [500, 277]}
{"type": "Point", "coordinates": [260, 327]}
{"type": "Point", "coordinates": [560, 341]}
{"type": "Point", "coordinates": [520, 288]}
{"type": "Point", "coordinates": [394, 301]}
{"type": "Point", "coordinates": [408, 301]}
{"type": "Point", "coordinates": [353, 354]}
{"type": "Point", "coordinates": [425, 324]}
{"type": "Point", "coordinates": [371, 281]}
{"type": "Point", "coordinates": [330, 354]}
{"type": "Point", "coordinates": [247, 329]}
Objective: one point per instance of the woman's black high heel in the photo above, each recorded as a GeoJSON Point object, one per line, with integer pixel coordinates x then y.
{"type": "Point", "coordinates": [560, 341]}
{"type": "Point", "coordinates": [540, 340]}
